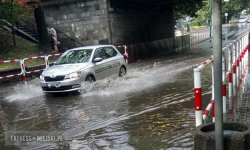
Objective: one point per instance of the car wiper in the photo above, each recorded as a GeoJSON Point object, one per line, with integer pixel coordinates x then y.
{"type": "Point", "coordinates": [60, 63]}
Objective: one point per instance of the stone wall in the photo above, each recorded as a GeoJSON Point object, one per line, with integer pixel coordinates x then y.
{"type": "Point", "coordinates": [95, 22]}
{"type": "Point", "coordinates": [86, 20]}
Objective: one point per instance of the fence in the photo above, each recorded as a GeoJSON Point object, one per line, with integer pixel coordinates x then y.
{"type": "Point", "coordinates": [195, 35]}
{"type": "Point", "coordinates": [235, 55]}
{"type": "Point", "coordinates": [125, 51]}
{"type": "Point", "coordinates": [137, 51]}
{"type": "Point", "coordinates": [22, 66]}
{"type": "Point", "coordinates": [11, 61]}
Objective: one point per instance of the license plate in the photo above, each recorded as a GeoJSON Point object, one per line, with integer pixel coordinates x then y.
{"type": "Point", "coordinates": [54, 84]}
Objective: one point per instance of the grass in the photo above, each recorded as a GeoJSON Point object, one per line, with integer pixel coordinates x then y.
{"type": "Point", "coordinates": [23, 49]}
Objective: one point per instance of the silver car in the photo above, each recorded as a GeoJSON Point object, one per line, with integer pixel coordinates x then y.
{"type": "Point", "coordinates": [89, 63]}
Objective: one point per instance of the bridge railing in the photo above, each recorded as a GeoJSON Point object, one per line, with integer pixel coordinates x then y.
{"type": "Point", "coordinates": [235, 55]}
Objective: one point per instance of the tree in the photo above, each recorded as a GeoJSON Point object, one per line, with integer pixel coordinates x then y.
{"type": "Point", "coordinates": [203, 14]}
{"type": "Point", "coordinates": [24, 9]}
{"type": "Point", "coordinates": [14, 16]}
{"type": "Point", "coordinates": [188, 9]}
{"type": "Point", "coordinates": [233, 8]}
{"type": "Point", "coordinates": [43, 37]}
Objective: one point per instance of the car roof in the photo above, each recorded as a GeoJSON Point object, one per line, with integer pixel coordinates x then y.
{"type": "Point", "coordinates": [90, 47]}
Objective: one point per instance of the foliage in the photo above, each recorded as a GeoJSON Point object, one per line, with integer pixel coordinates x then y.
{"type": "Point", "coordinates": [187, 9]}
{"type": "Point", "coordinates": [20, 9]}
{"type": "Point", "coordinates": [233, 8]}
{"type": "Point", "coordinates": [204, 13]}
{"type": "Point", "coordinates": [13, 11]}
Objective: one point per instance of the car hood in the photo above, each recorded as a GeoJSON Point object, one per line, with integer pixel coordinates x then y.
{"type": "Point", "coordinates": [64, 69]}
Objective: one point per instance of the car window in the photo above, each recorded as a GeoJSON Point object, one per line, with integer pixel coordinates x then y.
{"type": "Point", "coordinates": [110, 51]}
{"type": "Point", "coordinates": [100, 52]}
{"type": "Point", "coordinates": [75, 56]}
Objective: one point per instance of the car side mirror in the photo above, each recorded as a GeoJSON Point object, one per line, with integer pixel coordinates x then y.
{"type": "Point", "coordinates": [97, 59]}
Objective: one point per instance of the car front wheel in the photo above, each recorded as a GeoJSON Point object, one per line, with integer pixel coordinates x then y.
{"type": "Point", "coordinates": [122, 71]}
{"type": "Point", "coordinates": [90, 78]}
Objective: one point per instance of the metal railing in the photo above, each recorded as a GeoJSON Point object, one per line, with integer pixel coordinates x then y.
{"type": "Point", "coordinates": [22, 66]}
{"type": "Point", "coordinates": [66, 42]}
{"type": "Point", "coordinates": [235, 55]}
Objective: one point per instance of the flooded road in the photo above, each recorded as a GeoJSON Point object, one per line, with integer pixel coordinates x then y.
{"type": "Point", "coordinates": [149, 108]}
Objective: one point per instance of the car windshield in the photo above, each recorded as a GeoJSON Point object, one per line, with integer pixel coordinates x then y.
{"type": "Point", "coordinates": [75, 56]}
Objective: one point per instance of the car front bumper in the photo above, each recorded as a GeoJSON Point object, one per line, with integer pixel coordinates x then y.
{"type": "Point", "coordinates": [61, 86]}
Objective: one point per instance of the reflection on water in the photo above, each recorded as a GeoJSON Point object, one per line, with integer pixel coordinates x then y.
{"type": "Point", "coordinates": [150, 108]}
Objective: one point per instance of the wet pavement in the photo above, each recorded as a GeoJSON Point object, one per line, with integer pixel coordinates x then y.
{"type": "Point", "coordinates": [149, 108]}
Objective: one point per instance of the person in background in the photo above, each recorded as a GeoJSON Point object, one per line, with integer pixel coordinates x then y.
{"type": "Point", "coordinates": [188, 27]}
{"type": "Point", "coordinates": [54, 36]}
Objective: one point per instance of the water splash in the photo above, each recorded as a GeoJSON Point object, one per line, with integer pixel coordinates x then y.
{"type": "Point", "coordinates": [136, 80]}
{"type": "Point", "coordinates": [20, 92]}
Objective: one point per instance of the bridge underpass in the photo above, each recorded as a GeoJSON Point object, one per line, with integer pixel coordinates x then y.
{"type": "Point", "coordinates": [151, 108]}
{"type": "Point", "coordinates": [114, 22]}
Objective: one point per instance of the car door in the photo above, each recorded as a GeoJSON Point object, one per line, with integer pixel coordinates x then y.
{"type": "Point", "coordinates": [101, 68]}
{"type": "Point", "coordinates": [114, 63]}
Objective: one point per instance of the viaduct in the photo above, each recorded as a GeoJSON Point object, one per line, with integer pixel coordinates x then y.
{"type": "Point", "coordinates": [113, 21]}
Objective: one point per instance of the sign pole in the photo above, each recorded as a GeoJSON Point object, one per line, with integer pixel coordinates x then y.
{"type": "Point", "coordinates": [226, 14]}
{"type": "Point", "coordinates": [217, 54]}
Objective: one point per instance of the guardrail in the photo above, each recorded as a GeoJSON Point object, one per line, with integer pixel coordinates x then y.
{"type": "Point", "coordinates": [235, 55]}
{"type": "Point", "coordinates": [11, 61]}
{"type": "Point", "coordinates": [22, 66]}
{"type": "Point", "coordinates": [125, 52]}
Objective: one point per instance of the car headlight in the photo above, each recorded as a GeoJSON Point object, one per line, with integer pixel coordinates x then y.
{"type": "Point", "coordinates": [73, 75]}
{"type": "Point", "coordinates": [41, 77]}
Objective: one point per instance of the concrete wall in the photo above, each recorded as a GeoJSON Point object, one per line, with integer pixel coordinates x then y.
{"type": "Point", "coordinates": [86, 21]}
{"type": "Point", "coordinates": [131, 26]}
{"type": "Point", "coordinates": [95, 22]}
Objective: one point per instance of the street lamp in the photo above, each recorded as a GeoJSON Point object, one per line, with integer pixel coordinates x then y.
{"type": "Point", "coordinates": [226, 14]}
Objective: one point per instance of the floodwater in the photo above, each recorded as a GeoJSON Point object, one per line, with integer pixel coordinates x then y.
{"type": "Point", "coordinates": [152, 107]}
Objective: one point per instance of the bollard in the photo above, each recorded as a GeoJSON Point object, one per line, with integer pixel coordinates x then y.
{"type": "Point", "coordinates": [23, 72]}
{"type": "Point", "coordinates": [198, 96]}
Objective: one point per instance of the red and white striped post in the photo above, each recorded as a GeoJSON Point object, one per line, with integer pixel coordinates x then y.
{"type": "Point", "coordinates": [230, 86]}
{"type": "Point", "coordinates": [224, 87]}
{"type": "Point", "coordinates": [212, 69]}
{"type": "Point", "coordinates": [198, 96]}
{"type": "Point", "coordinates": [126, 54]}
{"type": "Point", "coordinates": [244, 62]}
{"type": "Point", "coordinates": [23, 72]}
{"type": "Point", "coordinates": [240, 60]}
{"type": "Point", "coordinates": [234, 69]}
{"type": "Point", "coordinates": [237, 65]}
{"type": "Point", "coordinates": [211, 103]}
{"type": "Point", "coordinates": [213, 113]}
{"type": "Point", "coordinates": [46, 58]}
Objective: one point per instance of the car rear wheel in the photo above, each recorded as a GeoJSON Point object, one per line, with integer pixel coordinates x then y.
{"type": "Point", "coordinates": [90, 78]}
{"type": "Point", "coordinates": [122, 71]}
